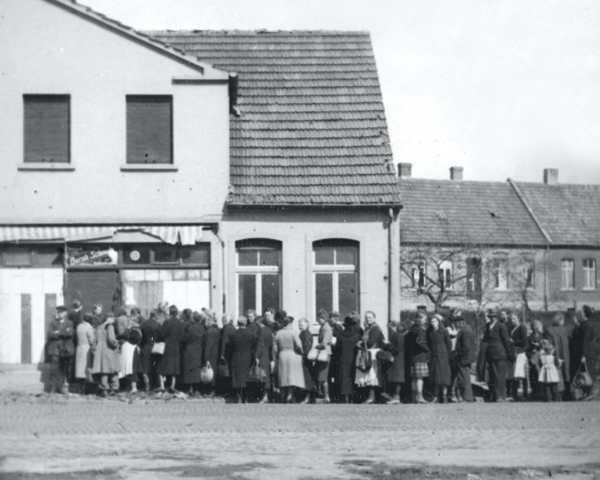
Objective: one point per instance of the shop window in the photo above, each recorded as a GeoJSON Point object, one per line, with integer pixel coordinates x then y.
{"type": "Point", "coordinates": [136, 255]}
{"type": "Point", "coordinates": [46, 128]}
{"type": "Point", "coordinates": [43, 256]}
{"type": "Point", "coordinates": [149, 129]}
{"type": "Point", "coordinates": [167, 255]}
{"type": "Point", "coordinates": [567, 270]}
{"type": "Point", "coordinates": [48, 256]}
{"type": "Point", "coordinates": [589, 274]}
{"type": "Point", "coordinates": [17, 257]}
{"type": "Point", "coordinates": [258, 274]}
{"type": "Point", "coordinates": [336, 275]}
{"type": "Point", "coordinates": [500, 273]}
{"type": "Point", "coordinates": [474, 277]}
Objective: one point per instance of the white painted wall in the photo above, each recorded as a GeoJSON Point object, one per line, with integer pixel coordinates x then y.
{"type": "Point", "coordinates": [45, 49]}
{"type": "Point", "coordinates": [34, 281]}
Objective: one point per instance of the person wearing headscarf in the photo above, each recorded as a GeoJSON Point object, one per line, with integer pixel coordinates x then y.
{"type": "Point", "coordinates": [345, 350]}
{"type": "Point", "coordinates": [287, 349]}
{"type": "Point", "coordinates": [84, 352]}
{"type": "Point", "coordinates": [171, 332]}
{"type": "Point", "coordinates": [210, 350]}
{"type": "Point", "coordinates": [372, 341]}
{"type": "Point", "coordinates": [192, 345]}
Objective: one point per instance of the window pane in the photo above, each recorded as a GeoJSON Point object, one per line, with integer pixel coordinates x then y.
{"type": "Point", "coordinates": [270, 291]}
{"type": "Point", "coordinates": [197, 255]}
{"type": "Point", "coordinates": [346, 255]}
{"type": "Point", "coordinates": [270, 258]}
{"type": "Point", "coordinates": [48, 257]}
{"type": "Point", "coordinates": [17, 256]}
{"type": "Point", "coordinates": [324, 291]}
{"type": "Point", "coordinates": [46, 128]}
{"type": "Point", "coordinates": [149, 120]}
{"type": "Point", "coordinates": [165, 254]}
{"type": "Point", "coordinates": [324, 256]}
{"type": "Point", "coordinates": [247, 258]}
{"type": "Point", "coordinates": [136, 255]}
{"type": "Point", "coordinates": [348, 293]}
{"type": "Point", "coordinates": [246, 293]}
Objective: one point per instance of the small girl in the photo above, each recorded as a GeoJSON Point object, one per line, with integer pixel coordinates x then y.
{"type": "Point", "coordinates": [549, 376]}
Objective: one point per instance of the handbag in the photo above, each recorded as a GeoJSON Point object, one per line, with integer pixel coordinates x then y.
{"type": "Point", "coordinates": [582, 377]}
{"type": "Point", "coordinates": [323, 356]}
{"type": "Point", "coordinates": [511, 353]}
{"type": "Point", "coordinates": [385, 356]}
{"type": "Point", "coordinates": [257, 374]}
{"type": "Point", "coordinates": [223, 368]}
{"type": "Point", "coordinates": [207, 374]}
{"type": "Point", "coordinates": [158, 348]}
{"type": "Point", "coordinates": [313, 354]}
{"type": "Point", "coordinates": [363, 360]}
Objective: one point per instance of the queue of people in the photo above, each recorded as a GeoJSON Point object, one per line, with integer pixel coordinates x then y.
{"type": "Point", "coordinates": [266, 359]}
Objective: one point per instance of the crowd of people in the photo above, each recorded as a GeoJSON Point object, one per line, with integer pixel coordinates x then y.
{"type": "Point", "coordinates": [272, 358]}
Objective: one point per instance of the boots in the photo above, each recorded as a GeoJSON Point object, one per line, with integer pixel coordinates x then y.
{"type": "Point", "coordinates": [371, 398]}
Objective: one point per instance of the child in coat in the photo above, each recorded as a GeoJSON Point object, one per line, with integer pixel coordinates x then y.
{"type": "Point", "coordinates": [549, 374]}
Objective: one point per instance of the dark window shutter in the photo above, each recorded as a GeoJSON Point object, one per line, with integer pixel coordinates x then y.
{"type": "Point", "coordinates": [149, 129]}
{"type": "Point", "coordinates": [46, 128]}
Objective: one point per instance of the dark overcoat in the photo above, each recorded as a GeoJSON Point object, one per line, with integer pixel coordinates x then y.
{"type": "Point", "coordinates": [60, 344]}
{"type": "Point", "coordinates": [345, 349]}
{"type": "Point", "coordinates": [192, 353]}
{"type": "Point", "coordinates": [210, 346]}
{"type": "Point", "coordinates": [150, 334]}
{"type": "Point", "coordinates": [264, 351]}
{"type": "Point", "coordinates": [417, 350]}
{"type": "Point", "coordinates": [396, 371]}
{"type": "Point", "coordinates": [440, 347]}
{"type": "Point", "coordinates": [306, 338]}
{"type": "Point", "coordinates": [171, 333]}
{"type": "Point", "coordinates": [243, 344]}
{"type": "Point", "coordinates": [226, 333]}
{"type": "Point", "coordinates": [591, 347]}
{"type": "Point", "coordinates": [464, 352]}
{"type": "Point", "coordinates": [518, 335]}
{"type": "Point", "coordinates": [497, 340]}
{"type": "Point", "coordinates": [559, 334]}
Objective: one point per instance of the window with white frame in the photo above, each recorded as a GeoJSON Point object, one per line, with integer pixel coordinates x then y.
{"type": "Point", "coordinates": [589, 274]}
{"type": "Point", "coordinates": [567, 270]}
{"type": "Point", "coordinates": [500, 271]}
{"type": "Point", "coordinates": [258, 273]}
{"type": "Point", "coordinates": [529, 273]}
{"type": "Point", "coordinates": [336, 275]}
{"type": "Point", "coordinates": [418, 274]}
{"type": "Point", "coordinates": [445, 274]}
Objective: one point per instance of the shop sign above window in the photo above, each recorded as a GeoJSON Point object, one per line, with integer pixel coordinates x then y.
{"type": "Point", "coordinates": [77, 257]}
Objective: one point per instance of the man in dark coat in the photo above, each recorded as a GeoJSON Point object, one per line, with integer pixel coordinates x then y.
{"type": "Point", "coordinates": [60, 349]}
{"type": "Point", "coordinates": [498, 342]}
{"type": "Point", "coordinates": [264, 355]}
{"type": "Point", "coordinates": [464, 356]}
{"type": "Point", "coordinates": [210, 350]}
{"type": "Point", "coordinates": [242, 350]}
{"type": "Point", "coordinates": [75, 315]}
{"type": "Point", "coordinates": [171, 333]}
{"type": "Point", "coordinates": [591, 350]}
{"type": "Point", "coordinates": [148, 360]}
{"type": "Point", "coordinates": [345, 352]}
{"type": "Point", "coordinates": [192, 358]}
{"type": "Point", "coordinates": [395, 374]}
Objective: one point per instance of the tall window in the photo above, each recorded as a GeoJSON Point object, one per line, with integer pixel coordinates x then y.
{"type": "Point", "coordinates": [47, 128]}
{"type": "Point", "coordinates": [418, 275]}
{"type": "Point", "coordinates": [529, 273]}
{"type": "Point", "coordinates": [445, 274]}
{"type": "Point", "coordinates": [149, 129]}
{"type": "Point", "coordinates": [336, 275]}
{"type": "Point", "coordinates": [500, 271]}
{"type": "Point", "coordinates": [474, 275]}
{"type": "Point", "coordinates": [258, 274]}
{"type": "Point", "coordinates": [589, 274]}
{"type": "Point", "coordinates": [567, 274]}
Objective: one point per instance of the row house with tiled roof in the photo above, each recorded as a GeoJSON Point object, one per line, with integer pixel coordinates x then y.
{"type": "Point", "coordinates": [231, 170]}
{"type": "Point", "coordinates": [474, 245]}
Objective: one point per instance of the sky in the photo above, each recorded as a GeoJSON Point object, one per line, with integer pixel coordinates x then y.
{"type": "Point", "coordinates": [503, 88]}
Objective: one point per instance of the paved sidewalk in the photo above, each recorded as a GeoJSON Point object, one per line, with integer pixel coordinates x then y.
{"type": "Point", "coordinates": [164, 439]}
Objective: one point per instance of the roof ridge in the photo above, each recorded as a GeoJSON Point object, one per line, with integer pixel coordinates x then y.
{"type": "Point", "coordinates": [144, 38]}
{"type": "Point", "coordinates": [261, 31]}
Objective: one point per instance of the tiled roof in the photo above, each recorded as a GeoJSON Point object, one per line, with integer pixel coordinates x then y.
{"type": "Point", "coordinates": [465, 212]}
{"type": "Point", "coordinates": [569, 213]}
{"type": "Point", "coordinates": [312, 128]}
{"type": "Point", "coordinates": [128, 32]}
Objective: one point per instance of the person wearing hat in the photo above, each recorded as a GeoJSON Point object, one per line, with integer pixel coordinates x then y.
{"type": "Point", "coordinates": [60, 350]}
{"type": "Point", "coordinates": [464, 356]}
{"type": "Point", "coordinates": [498, 342]}
{"type": "Point", "coordinates": [591, 349]}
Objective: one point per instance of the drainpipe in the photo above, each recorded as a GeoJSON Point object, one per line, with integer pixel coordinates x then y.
{"type": "Point", "coordinates": [546, 293]}
{"type": "Point", "coordinates": [394, 264]}
{"type": "Point", "coordinates": [223, 267]}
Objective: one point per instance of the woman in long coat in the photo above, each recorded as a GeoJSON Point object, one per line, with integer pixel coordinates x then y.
{"type": "Point", "coordinates": [106, 358]}
{"type": "Point", "coordinates": [264, 354]}
{"type": "Point", "coordinates": [288, 350]}
{"type": "Point", "coordinates": [395, 375]}
{"type": "Point", "coordinates": [372, 340]}
{"type": "Point", "coordinates": [84, 352]}
{"type": "Point", "coordinates": [345, 349]}
{"type": "Point", "coordinates": [148, 361]}
{"type": "Point", "coordinates": [440, 346]}
{"type": "Point", "coordinates": [306, 338]}
{"type": "Point", "coordinates": [171, 333]}
{"type": "Point", "coordinates": [242, 347]}
{"type": "Point", "coordinates": [192, 341]}
{"type": "Point", "coordinates": [210, 350]}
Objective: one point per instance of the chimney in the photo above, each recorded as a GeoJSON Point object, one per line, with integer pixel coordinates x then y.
{"type": "Point", "coordinates": [551, 176]}
{"type": "Point", "coordinates": [405, 170]}
{"type": "Point", "coordinates": [456, 173]}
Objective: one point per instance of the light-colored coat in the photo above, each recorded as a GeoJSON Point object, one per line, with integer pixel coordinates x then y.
{"type": "Point", "coordinates": [106, 357]}
{"type": "Point", "coordinates": [288, 349]}
{"type": "Point", "coordinates": [83, 353]}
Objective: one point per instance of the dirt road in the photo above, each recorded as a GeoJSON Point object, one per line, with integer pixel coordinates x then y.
{"type": "Point", "coordinates": [158, 439]}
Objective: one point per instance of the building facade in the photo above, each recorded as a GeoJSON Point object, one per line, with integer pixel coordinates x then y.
{"type": "Point", "coordinates": [203, 169]}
